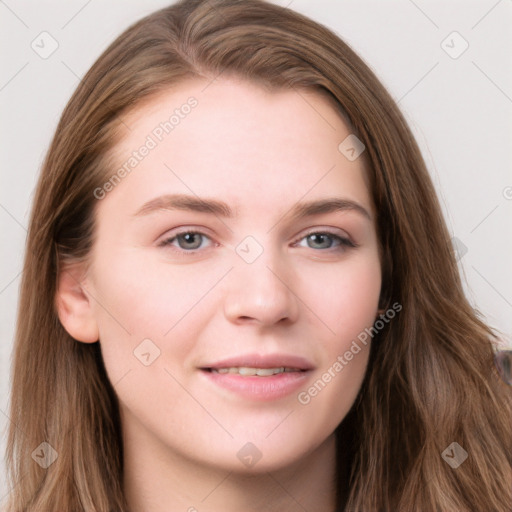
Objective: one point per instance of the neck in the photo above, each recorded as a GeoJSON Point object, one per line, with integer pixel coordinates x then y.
{"type": "Point", "coordinates": [162, 483]}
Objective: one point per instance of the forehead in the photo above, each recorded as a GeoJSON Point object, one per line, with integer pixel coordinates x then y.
{"type": "Point", "coordinates": [232, 137]}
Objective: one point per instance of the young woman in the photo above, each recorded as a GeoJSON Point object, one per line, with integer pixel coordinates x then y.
{"type": "Point", "coordinates": [239, 292]}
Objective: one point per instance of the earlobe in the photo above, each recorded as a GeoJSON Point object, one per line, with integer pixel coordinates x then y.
{"type": "Point", "coordinates": [74, 307]}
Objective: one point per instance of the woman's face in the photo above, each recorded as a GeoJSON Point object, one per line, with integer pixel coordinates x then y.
{"type": "Point", "coordinates": [269, 281]}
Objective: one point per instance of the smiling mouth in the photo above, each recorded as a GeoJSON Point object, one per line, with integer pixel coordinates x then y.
{"type": "Point", "coordinates": [246, 371]}
{"type": "Point", "coordinates": [261, 379]}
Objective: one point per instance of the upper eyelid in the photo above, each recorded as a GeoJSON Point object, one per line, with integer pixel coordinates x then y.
{"type": "Point", "coordinates": [327, 231]}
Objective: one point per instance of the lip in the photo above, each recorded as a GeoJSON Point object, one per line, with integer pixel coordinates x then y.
{"type": "Point", "coordinates": [258, 388]}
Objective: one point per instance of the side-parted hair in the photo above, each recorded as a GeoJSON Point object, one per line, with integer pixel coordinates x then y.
{"type": "Point", "coordinates": [431, 378]}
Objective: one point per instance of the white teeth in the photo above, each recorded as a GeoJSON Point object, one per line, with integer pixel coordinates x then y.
{"type": "Point", "coordinates": [265, 372]}
{"type": "Point", "coordinates": [247, 372]}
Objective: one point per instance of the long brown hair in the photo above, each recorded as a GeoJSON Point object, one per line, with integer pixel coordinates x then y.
{"type": "Point", "coordinates": [431, 379]}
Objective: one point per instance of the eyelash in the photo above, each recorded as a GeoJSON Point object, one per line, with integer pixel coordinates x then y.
{"type": "Point", "coordinates": [343, 243]}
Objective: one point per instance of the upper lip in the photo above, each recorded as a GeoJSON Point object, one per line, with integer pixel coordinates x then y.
{"type": "Point", "coordinates": [262, 361]}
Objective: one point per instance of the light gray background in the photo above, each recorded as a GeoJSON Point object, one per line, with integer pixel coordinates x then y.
{"type": "Point", "coordinates": [459, 109]}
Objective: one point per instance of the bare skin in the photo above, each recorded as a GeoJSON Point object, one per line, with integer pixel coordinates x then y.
{"type": "Point", "coordinates": [190, 443]}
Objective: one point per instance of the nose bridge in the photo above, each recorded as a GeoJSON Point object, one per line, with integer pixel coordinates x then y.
{"type": "Point", "coordinates": [259, 288]}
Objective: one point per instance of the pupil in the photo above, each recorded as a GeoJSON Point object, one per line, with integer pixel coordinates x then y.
{"type": "Point", "coordinates": [189, 238]}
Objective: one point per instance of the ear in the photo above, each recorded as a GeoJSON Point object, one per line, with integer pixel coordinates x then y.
{"type": "Point", "coordinates": [74, 307]}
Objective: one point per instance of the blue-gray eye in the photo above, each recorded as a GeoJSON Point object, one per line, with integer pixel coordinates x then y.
{"type": "Point", "coordinates": [187, 240]}
{"type": "Point", "coordinates": [326, 240]}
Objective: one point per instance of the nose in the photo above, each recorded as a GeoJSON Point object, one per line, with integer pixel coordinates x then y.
{"type": "Point", "coordinates": [261, 292]}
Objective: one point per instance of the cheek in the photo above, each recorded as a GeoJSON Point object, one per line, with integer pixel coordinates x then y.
{"type": "Point", "coordinates": [357, 299]}
{"type": "Point", "coordinates": [137, 301]}
{"type": "Point", "coordinates": [347, 305]}
{"type": "Point", "coordinates": [146, 297]}
{"type": "Point", "coordinates": [344, 296]}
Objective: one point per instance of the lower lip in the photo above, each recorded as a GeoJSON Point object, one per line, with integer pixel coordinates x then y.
{"type": "Point", "coordinates": [259, 388]}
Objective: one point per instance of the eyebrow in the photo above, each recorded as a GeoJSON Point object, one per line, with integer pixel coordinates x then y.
{"type": "Point", "coordinates": [221, 209]}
